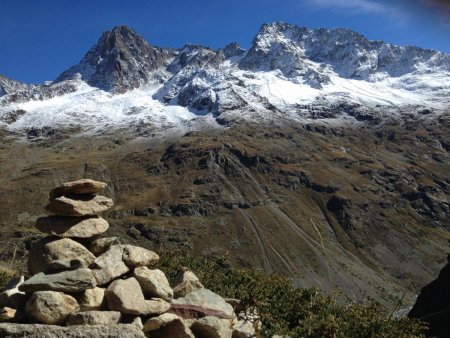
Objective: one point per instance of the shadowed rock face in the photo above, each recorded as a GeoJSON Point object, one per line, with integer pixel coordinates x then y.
{"type": "Point", "coordinates": [433, 304]}
{"type": "Point", "coordinates": [318, 204]}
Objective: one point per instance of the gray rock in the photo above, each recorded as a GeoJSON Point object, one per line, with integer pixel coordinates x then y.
{"type": "Point", "coordinates": [187, 283]}
{"type": "Point", "coordinates": [65, 264]}
{"type": "Point", "coordinates": [125, 295]}
{"type": "Point", "coordinates": [81, 331]}
{"type": "Point", "coordinates": [212, 327]}
{"type": "Point", "coordinates": [79, 187]}
{"type": "Point", "coordinates": [187, 311]}
{"type": "Point", "coordinates": [100, 245]}
{"type": "Point", "coordinates": [75, 227]}
{"type": "Point", "coordinates": [94, 318]}
{"type": "Point", "coordinates": [138, 322]}
{"type": "Point", "coordinates": [92, 299]}
{"type": "Point", "coordinates": [206, 299]}
{"type": "Point", "coordinates": [50, 307]}
{"type": "Point", "coordinates": [167, 325]}
{"type": "Point", "coordinates": [50, 253]}
{"type": "Point", "coordinates": [135, 256]}
{"type": "Point", "coordinates": [89, 205]}
{"type": "Point", "coordinates": [153, 283]}
{"type": "Point", "coordinates": [109, 265]}
{"type": "Point", "coordinates": [66, 281]}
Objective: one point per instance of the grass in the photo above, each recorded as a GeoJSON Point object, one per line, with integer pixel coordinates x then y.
{"type": "Point", "coordinates": [295, 312]}
{"type": "Point", "coordinates": [5, 276]}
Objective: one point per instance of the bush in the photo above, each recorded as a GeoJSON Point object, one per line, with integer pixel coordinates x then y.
{"type": "Point", "coordinates": [285, 310]}
{"type": "Point", "coordinates": [5, 277]}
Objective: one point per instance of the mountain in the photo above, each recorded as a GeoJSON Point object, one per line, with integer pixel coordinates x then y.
{"type": "Point", "coordinates": [8, 86]}
{"type": "Point", "coordinates": [316, 154]}
{"type": "Point", "coordinates": [289, 72]}
{"type": "Point", "coordinates": [121, 60]}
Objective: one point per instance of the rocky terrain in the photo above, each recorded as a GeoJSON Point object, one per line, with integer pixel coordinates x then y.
{"type": "Point", "coordinates": [315, 154]}
{"type": "Point", "coordinates": [364, 210]}
{"type": "Point", "coordinates": [107, 284]}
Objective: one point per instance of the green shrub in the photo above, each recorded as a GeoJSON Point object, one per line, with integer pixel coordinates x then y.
{"type": "Point", "coordinates": [285, 310]}
{"type": "Point", "coordinates": [5, 277]}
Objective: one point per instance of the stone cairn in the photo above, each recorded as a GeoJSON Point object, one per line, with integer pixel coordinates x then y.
{"type": "Point", "coordinates": [105, 288]}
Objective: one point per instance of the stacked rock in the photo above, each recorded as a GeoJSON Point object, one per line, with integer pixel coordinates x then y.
{"type": "Point", "coordinates": [78, 278]}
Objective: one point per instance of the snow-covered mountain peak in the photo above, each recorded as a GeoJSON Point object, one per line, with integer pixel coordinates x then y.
{"type": "Point", "coordinates": [8, 86]}
{"type": "Point", "coordinates": [349, 54]}
{"type": "Point", "coordinates": [289, 72]}
{"type": "Point", "coordinates": [121, 60]}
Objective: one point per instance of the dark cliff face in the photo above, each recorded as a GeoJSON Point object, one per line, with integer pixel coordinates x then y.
{"type": "Point", "coordinates": [120, 61]}
{"type": "Point", "coordinates": [433, 304]}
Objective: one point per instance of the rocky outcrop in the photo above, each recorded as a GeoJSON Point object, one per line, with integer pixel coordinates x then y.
{"type": "Point", "coordinates": [63, 287]}
{"type": "Point", "coordinates": [433, 304]}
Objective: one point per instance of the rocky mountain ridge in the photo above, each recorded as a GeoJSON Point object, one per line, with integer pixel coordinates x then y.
{"type": "Point", "coordinates": [289, 73]}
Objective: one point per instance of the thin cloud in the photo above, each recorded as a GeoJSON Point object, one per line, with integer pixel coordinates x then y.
{"type": "Point", "coordinates": [442, 8]}
{"type": "Point", "coordinates": [364, 6]}
{"type": "Point", "coordinates": [441, 4]}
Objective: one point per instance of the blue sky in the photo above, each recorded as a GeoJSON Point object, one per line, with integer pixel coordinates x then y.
{"type": "Point", "coordinates": [40, 39]}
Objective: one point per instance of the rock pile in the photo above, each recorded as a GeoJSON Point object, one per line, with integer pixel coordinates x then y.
{"type": "Point", "coordinates": [103, 288]}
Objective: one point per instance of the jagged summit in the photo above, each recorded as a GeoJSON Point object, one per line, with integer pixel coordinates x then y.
{"type": "Point", "coordinates": [289, 72]}
{"type": "Point", "coordinates": [121, 60]}
{"type": "Point", "coordinates": [8, 86]}
{"type": "Point", "coordinates": [289, 48]}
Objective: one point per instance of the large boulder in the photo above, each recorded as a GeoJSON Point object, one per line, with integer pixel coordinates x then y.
{"type": "Point", "coordinates": [212, 327]}
{"type": "Point", "coordinates": [125, 296]}
{"type": "Point", "coordinates": [154, 283]}
{"type": "Point", "coordinates": [92, 299]}
{"type": "Point", "coordinates": [135, 256]}
{"type": "Point", "coordinates": [186, 283]}
{"type": "Point", "coordinates": [50, 307]}
{"type": "Point", "coordinates": [66, 281]}
{"type": "Point", "coordinates": [100, 245]}
{"type": "Point", "coordinates": [433, 304]}
{"type": "Point", "coordinates": [205, 298]}
{"type": "Point", "coordinates": [80, 331]}
{"type": "Point", "coordinates": [50, 254]}
{"type": "Point", "coordinates": [188, 311]}
{"type": "Point", "coordinates": [84, 206]}
{"type": "Point", "coordinates": [109, 265]}
{"type": "Point", "coordinates": [75, 227]}
{"type": "Point", "coordinates": [167, 325]}
{"type": "Point", "coordinates": [79, 187]}
{"type": "Point", "coordinates": [94, 318]}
